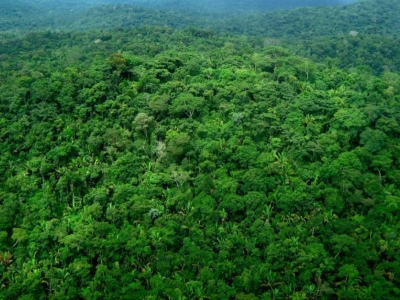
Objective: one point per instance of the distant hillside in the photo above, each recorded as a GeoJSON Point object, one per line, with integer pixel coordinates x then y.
{"type": "Point", "coordinates": [227, 5]}
{"type": "Point", "coordinates": [184, 5]}
{"type": "Point", "coordinates": [365, 16]}
{"type": "Point", "coordinates": [368, 16]}
{"type": "Point", "coordinates": [14, 15]}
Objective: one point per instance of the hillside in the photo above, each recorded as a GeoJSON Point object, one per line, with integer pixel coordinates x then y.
{"type": "Point", "coordinates": [377, 52]}
{"type": "Point", "coordinates": [158, 153]}
{"type": "Point", "coordinates": [180, 164]}
{"type": "Point", "coordinates": [367, 16]}
{"type": "Point", "coordinates": [205, 6]}
{"type": "Point", "coordinates": [13, 15]}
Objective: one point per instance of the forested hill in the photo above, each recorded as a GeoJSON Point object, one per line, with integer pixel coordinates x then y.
{"type": "Point", "coordinates": [176, 154]}
{"type": "Point", "coordinates": [211, 6]}
{"type": "Point", "coordinates": [367, 16]}
{"type": "Point", "coordinates": [151, 163]}
{"type": "Point", "coordinates": [16, 15]}
{"type": "Point", "coordinates": [206, 6]}
{"type": "Point", "coordinates": [379, 53]}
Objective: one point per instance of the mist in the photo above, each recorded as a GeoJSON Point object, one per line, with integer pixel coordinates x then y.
{"type": "Point", "coordinates": [206, 6]}
{"type": "Point", "coordinates": [219, 15]}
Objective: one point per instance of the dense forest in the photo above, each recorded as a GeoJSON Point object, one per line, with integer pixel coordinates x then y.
{"type": "Point", "coordinates": [194, 161]}
{"type": "Point", "coordinates": [363, 16]}
{"type": "Point", "coordinates": [204, 6]}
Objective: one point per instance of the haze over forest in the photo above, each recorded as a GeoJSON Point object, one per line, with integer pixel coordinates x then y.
{"type": "Point", "coordinates": [203, 5]}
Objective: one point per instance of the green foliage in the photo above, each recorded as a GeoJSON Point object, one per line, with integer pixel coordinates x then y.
{"type": "Point", "coordinates": [161, 164]}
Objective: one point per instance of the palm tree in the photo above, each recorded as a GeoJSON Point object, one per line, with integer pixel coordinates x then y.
{"type": "Point", "coordinates": [6, 258]}
{"type": "Point", "coordinates": [267, 213]}
{"type": "Point", "coordinates": [146, 274]}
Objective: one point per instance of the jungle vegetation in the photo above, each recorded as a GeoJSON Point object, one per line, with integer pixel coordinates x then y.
{"type": "Point", "coordinates": [163, 162]}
